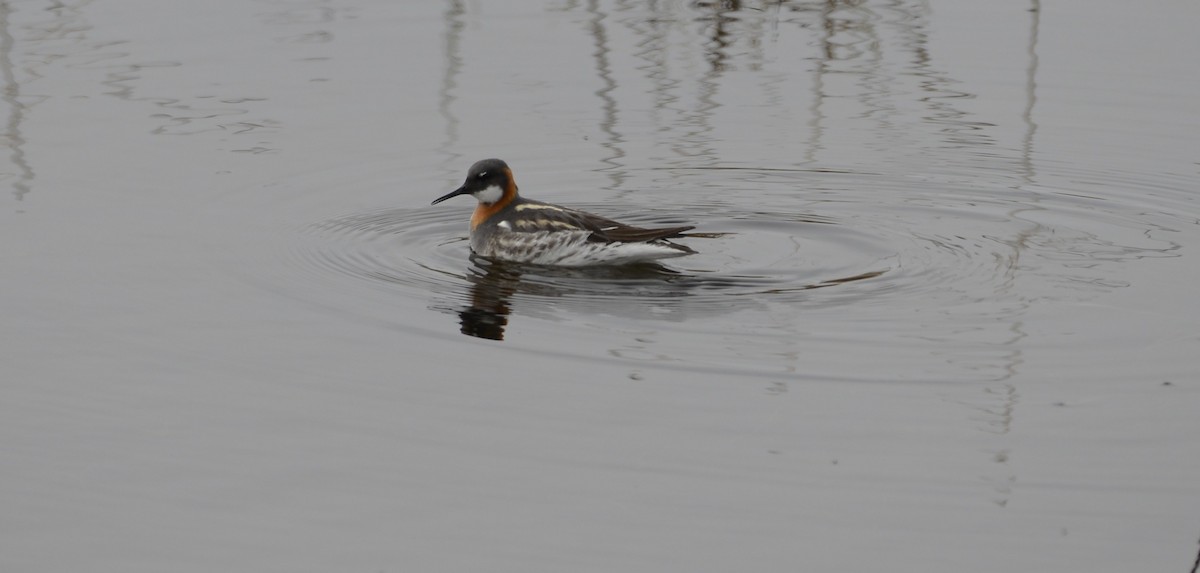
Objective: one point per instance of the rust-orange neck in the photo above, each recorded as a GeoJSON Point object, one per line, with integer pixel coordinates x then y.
{"type": "Point", "coordinates": [484, 211]}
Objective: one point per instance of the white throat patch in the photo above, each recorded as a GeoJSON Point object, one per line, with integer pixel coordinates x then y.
{"type": "Point", "coordinates": [489, 195]}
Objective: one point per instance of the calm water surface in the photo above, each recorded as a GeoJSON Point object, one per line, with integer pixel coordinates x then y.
{"type": "Point", "coordinates": [942, 317]}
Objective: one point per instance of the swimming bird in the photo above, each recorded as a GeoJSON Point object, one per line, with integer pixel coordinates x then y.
{"type": "Point", "coordinates": [506, 226]}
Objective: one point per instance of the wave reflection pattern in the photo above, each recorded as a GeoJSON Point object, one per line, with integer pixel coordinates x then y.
{"type": "Point", "coordinates": [932, 269]}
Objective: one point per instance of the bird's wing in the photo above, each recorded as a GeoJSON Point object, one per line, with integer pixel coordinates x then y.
{"type": "Point", "coordinates": [551, 218]}
{"type": "Point", "coordinates": [628, 234]}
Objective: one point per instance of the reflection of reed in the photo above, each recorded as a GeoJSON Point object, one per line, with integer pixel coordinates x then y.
{"type": "Point", "coordinates": [1003, 394]}
{"type": "Point", "coordinates": [1031, 93]}
{"type": "Point", "coordinates": [817, 118]}
{"type": "Point", "coordinates": [876, 90]}
{"type": "Point", "coordinates": [955, 128]}
{"type": "Point", "coordinates": [853, 60]}
{"type": "Point", "coordinates": [872, 67]}
{"type": "Point", "coordinates": [446, 91]}
{"type": "Point", "coordinates": [653, 30]}
{"type": "Point", "coordinates": [653, 53]}
{"type": "Point", "coordinates": [697, 141]}
{"type": "Point", "coordinates": [16, 110]}
{"type": "Point", "coordinates": [719, 38]}
{"type": "Point", "coordinates": [608, 120]}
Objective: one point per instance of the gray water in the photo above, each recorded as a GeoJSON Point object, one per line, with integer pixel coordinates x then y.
{"type": "Point", "coordinates": [943, 318]}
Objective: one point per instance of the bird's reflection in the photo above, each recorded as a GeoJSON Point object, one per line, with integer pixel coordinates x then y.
{"type": "Point", "coordinates": [638, 291]}
{"type": "Point", "coordinates": [493, 284]}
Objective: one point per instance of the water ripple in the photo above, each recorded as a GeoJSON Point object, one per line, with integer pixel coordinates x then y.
{"type": "Point", "coordinates": [860, 261]}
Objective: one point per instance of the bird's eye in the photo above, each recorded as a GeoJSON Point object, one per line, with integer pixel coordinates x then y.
{"type": "Point", "coordinates": [481, 175]}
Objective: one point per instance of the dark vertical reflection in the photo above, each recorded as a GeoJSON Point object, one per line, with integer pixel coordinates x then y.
{"type": "Point", "coordinates": [773, 82]}
{"type": "Point", "coordinates": [955, 128]}
{"type": "Point", "coordinates": [446, 91]}
{"type": "Point", "coordinates": [492, 285]}
{"type": "Point", "coordinates": [816, 120]}
{"type": "Point", "coordinates": [853, 63]}
{"type": "Point", "coordinates": [612, 139]}
{"type": "Point", "coordinates": [11, 96]}
{"type": "Point", "coordinates": [697, 141]}
{"type": "Point", "coordinates": [856, 61]}
{"type": "Point", "coordinates": [1031, 93]}
{"type": "Point", "coordinates": [652, 49]}
{"type": "Point", "coordinates": [719, 36]}
{"type": "Point", "coordinates": [1004, 394]}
